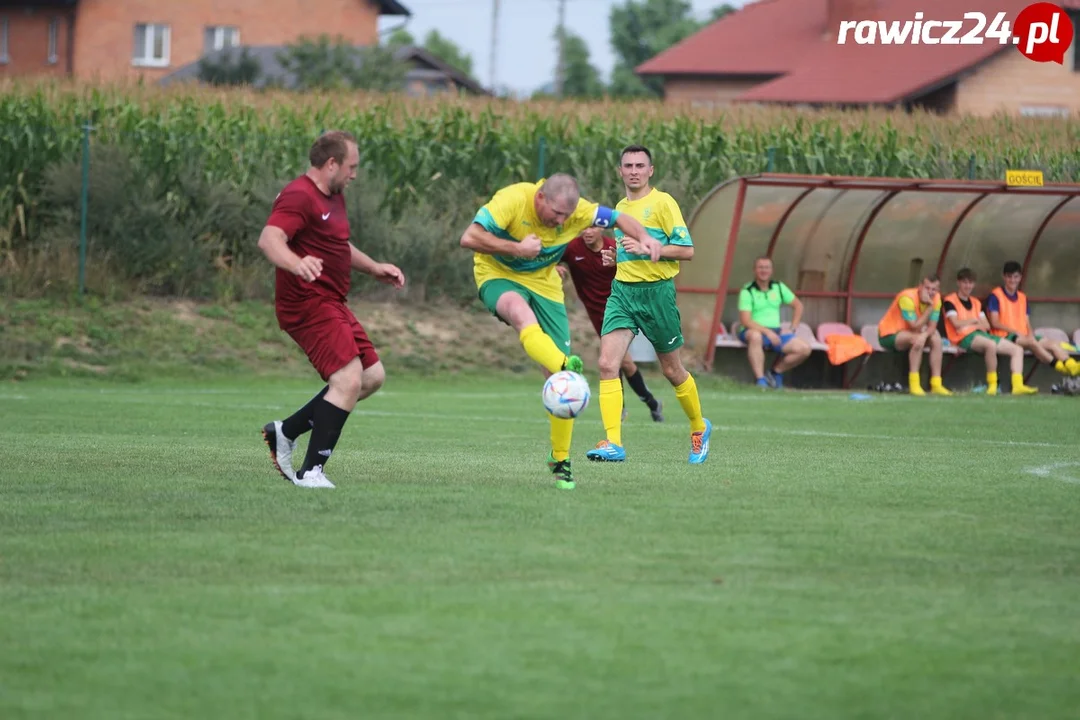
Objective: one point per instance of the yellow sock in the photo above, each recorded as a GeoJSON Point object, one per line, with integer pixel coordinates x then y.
{"type": "Point", "coordinates": [935, 382]}
{"type": "Point", "coordinates": [914, 384]}
{"type": "Point", "coordinates": [691, 404]}
{"type": "Point", "coordinates": [611, 405]}
{"type": "Point", "coordinates": [561, 432]}
{"type": "Point", "coordinates": [542, 349]}
{"type": "Point", "coordinates": [1060, 367]}
{"type": "Point", "coordinates": [1072, 366]}
{"type": "Point", "coordinates": [991, 381]}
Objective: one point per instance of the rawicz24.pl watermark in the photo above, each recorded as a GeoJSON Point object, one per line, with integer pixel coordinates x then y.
{"type": "Point", "coordinates": [1042, 31]}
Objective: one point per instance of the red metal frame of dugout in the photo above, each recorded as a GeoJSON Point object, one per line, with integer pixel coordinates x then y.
{"type": "Point", "coordinates": [890, 188]}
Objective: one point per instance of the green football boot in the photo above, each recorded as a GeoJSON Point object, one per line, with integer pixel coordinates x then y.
{"type": "Point", "coordinates": [564, 476]}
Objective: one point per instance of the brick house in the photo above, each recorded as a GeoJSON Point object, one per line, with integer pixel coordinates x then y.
{"type": "Point", "coordinates": [786, 52]}
{"type": "Point", "coordinates": [115, 39]}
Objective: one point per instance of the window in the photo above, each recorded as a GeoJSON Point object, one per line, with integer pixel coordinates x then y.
{"type": "Point", "coordinates": [54, 31]}
{"type": "Point", "coordinates": [219, 37]}
{"type": "Point", "coordinates": [1043, 111]}
{"type": "Point", "coordinates": [151, 46]}
{"type": "Point", "coordinates": [3, 40]}
{"type": "Point", "coordinates": [1074, 15]}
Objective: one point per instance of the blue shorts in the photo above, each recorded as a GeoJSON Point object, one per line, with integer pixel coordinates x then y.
{"type": "Point", "coordinates": [766, 343]}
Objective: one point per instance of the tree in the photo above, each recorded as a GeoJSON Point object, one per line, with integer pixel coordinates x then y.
{"type": "Point", "coordinates": [448, 51]}
{"type": "Point", "coordinates": [720, 11]}
{"type": "Point", "coordinates": [642, 29]}
{"type": "Point", "coordinates": [226, 70]}
{"type": "Point", "coordinates": [325, 65]}
{"type": "Point", "coordinates": [400, 38]}
{"type": "Point", "coordinates": [581, 79]}
{"type": "Point", "coordinates": [379, 70]}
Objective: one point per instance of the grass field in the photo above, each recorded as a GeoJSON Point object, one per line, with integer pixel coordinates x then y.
{"type": "Point", "coordinates": [896, 557]}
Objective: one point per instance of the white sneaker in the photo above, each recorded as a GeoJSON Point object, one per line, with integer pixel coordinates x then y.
{"type": "Point", "coordinates": [314, 478]}
{"type": "Point", "coordinates": [281, 449]}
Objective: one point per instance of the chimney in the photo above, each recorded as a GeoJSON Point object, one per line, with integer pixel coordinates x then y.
{"type": "Point", "coordinates": [838, 10]}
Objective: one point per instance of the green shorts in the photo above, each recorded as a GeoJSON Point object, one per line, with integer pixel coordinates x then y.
{"type": "Point", "coordinates": [888, 342]}
{"type": "Point", "coordinates": [646, 306]}
{"type": "Point", "coordinates": [965, 342]}
{"type": "Point", "coordinates": [1011, 337]}
{"type": "Point", "coordinates": [550, 314]}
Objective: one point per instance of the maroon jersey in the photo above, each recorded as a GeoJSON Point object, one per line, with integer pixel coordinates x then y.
{"type": "Point", "coordinates": [317, 225]}
{"type": "Point", "coordinates": [591, 279]}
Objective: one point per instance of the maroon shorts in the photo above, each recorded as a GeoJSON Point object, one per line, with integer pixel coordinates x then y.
{"type": "Point", "coordinates": [329, 334]}
{"type": "Point", "coordinates": [597, 317]}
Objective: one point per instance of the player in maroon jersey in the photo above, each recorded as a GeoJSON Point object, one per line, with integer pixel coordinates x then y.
{"type": "Point", "coordinates": [307, 238]}
{"type": "Point", "coordinates": [592, 281]}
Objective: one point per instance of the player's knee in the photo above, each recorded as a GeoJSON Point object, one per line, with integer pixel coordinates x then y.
{"type": "Point", "coordinates": [513, 308]}
{"type": "Point", "coordinates": [609, 366]}
{"type": "Point", "coordinates": [373, 378]}
{"type": "Point", "coordinates": [349, 380]}
{"type": "Point", "coordinates": [753, 338]}
{"type": "Point", "coordinates": [673, 369]}
{"type": "Point", "coordinates": [798, 348]}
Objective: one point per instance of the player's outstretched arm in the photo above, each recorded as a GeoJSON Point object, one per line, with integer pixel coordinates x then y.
{"type": "Point", "coordinates": [479, 240]}
{"type": "Point", "coordinates": [385, 272]}
{"type": "Point", "coordinates": [677, 252]}
{"type": "Point", "coordinates": [640, 242]}
{"type": "Point", "coordinates": [275, 245]}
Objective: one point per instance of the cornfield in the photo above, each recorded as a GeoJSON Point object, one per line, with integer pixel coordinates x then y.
{"type": "Point", "coordinates": [238, 137]}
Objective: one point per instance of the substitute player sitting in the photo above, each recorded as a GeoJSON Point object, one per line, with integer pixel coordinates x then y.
{"type": "Point", "coordinates": [517, 238]}
{"type": "Point", "coordinates": [1010, 318]}
{"type": "Point", "coordinates": [583, 261]}
{"type": "Point", "coordinates": [307, 238]}
{"type": "Point", "coordinates": [643, 298]}
{"type": "Point", "coordinates": [967, 327]}
{"type": "Point", "coordinates": [910, 324]}
{"type": "Point", "coordinates": [759, 313]}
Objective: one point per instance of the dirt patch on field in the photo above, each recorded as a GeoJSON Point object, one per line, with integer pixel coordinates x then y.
{"type": "Point", "coordinates": [449, 338]}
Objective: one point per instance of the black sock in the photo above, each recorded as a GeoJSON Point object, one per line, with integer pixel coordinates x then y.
{"type": "Point", "coordinates": [638, 384]}
{"type": "Point", "coordinates": [329, 419]}
{"type": "Point", "coordinates": [301, 421]}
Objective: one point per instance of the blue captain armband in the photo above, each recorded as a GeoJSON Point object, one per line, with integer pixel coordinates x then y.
{"type": "Point", "coordinates": [605, 217]}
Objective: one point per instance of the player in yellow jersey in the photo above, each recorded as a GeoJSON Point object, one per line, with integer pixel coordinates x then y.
{"type": "Point", "coordinates": [643, 297]}
{"type": "Point", "coordinates": [517, 239]}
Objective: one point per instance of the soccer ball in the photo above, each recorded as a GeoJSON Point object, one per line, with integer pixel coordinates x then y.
{"type": "Point", "coordinates": [566, 394]}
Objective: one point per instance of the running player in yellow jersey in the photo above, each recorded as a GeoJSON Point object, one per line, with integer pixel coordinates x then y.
{"type": "Point", "coordinates": [643, 297]}
{"type": "Point", "coordinates": [517, 239]}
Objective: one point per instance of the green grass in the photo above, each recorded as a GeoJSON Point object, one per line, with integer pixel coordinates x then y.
{"type": "Point", "coordinates": [888, 558]}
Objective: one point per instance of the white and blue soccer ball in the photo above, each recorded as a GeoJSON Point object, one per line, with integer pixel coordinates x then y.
{"type": "Point", "coordinates": [566, 394]}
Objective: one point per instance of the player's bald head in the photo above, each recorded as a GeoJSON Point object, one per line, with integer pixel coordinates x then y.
{"type": "Point", "coordinates": [562, 189]}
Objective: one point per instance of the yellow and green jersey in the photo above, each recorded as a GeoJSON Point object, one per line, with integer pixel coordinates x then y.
{"type": "Point", "coordinates": [511, 215]}
{"type": "Point", "coordinates": [660, 215]}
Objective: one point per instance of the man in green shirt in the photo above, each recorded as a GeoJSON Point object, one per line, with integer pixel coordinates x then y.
{"type": "Point", "coordinates": [759, 313]}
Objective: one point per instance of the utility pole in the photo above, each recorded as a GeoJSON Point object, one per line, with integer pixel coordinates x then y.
{"type": "Point", "coordinates": [560, 68]}
{"type": "Point", "coordinates": [494, 41]}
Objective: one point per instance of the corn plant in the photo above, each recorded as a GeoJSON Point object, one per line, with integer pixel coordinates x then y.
{"type": "Point", "coordinates": [417, 146]}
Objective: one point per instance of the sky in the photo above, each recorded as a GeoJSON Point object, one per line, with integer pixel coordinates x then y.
{"type": "Point", "coordinates": [525, 46]}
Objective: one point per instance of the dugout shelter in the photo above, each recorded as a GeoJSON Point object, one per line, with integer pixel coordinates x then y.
{"type": "Point", "coordinates": [847, 245]}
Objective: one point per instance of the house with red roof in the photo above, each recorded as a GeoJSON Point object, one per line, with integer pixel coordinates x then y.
{"type": "Point", "coordinates": [787, 52]}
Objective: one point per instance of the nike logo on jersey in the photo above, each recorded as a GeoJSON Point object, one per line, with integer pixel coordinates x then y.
{"type": "Point", "coordinates": [579, 259]}
{"type": "Point", "coordinates": [327, 215]}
